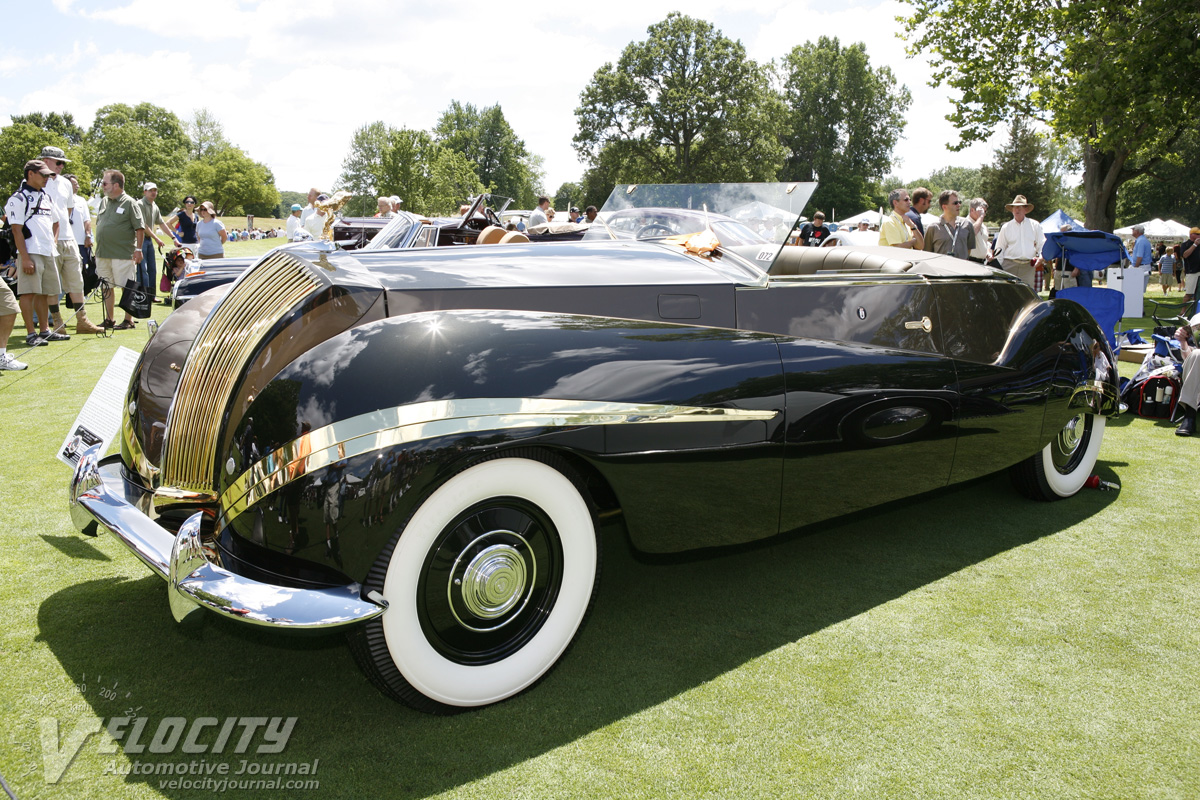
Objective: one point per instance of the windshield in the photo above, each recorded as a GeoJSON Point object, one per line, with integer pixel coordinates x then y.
{"type": "Point", "coordinates": [394, 234]}
{"type": "Point", "coordinates": [738, 213]}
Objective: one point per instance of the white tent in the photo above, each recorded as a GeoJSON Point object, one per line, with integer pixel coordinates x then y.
{"type": "Point", "coordinates": [1159, 230]}
{"type": "Point", "coordinates": [872, 218]}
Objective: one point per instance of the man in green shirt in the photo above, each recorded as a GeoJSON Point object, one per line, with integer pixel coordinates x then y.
{"type": "Point", "coordinates": [119, 235]}
{"type": "Point", "coordinates": [151, 216]}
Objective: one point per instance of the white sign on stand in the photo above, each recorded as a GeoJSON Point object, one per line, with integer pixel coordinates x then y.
{"type": "Point", "coordinates": [1131, 282]}
{"type": "Point", "coordinates": [100, 418]}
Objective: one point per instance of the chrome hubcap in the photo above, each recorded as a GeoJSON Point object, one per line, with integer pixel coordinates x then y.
{"type": "Point", "coordinates": [493, 583]}
{"type": "Point", "coordinates": [1071, 436]}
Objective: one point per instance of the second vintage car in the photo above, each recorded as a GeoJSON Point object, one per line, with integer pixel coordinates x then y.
{"type": "Point", "coordinates": [417, 445]}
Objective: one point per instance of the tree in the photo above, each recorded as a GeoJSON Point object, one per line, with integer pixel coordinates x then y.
{"type": "Point", "coordinates": [569, 194]}
{"type": "Point", "coordinates": [233, 182]}
{"type": "Point", "coordinates": [1169, 191]}
{"type": "Point", "coordinates": [687, 104]}
{"type": "Point", "coordinates": [967, 181]}
{"type": "Point", "coordinates": [145, 142]}
{"type": "Point", "coordinates": [22, 141]}
{"type": "Point", "coordinates": [61, 124]}
{"type": "Point", "coordinates": [206, 134]}
{"type": "Point", "coordinates": [489, 143]}
{"type": "Point", "coordinates": [843, 121]}
{"type": "Point", "coordinates": [1023, 165]}
{"type": "Point", "coordinates": [1104, 73]}
{"type": "Point", "coordinates": [287, 200]}
{"type": "Point", "coordinates": [362, 168]}
{"type": "Point", "coordinates": [430, 178]}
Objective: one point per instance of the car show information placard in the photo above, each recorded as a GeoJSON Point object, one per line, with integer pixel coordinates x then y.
{"type": "Point", "coordinates": [100, 418]}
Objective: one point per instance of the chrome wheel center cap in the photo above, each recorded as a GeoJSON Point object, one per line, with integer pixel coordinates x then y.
{"type": "Point", "coordinates": [494, 582]}
{"type": "Point", "coordinates": [1070, 436]}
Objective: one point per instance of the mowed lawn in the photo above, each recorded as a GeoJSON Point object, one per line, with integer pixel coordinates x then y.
{"type": "Point", "coordinates": [965, 644]}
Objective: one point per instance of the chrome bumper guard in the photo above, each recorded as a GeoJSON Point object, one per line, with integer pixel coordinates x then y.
{"type": "Point", "coordinates": [99, 496]}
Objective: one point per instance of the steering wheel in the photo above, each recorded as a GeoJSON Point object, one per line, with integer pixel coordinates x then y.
{"type": "Point", "coordinates": [655, 229]}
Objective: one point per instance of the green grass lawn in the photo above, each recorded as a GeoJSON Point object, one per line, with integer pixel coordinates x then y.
{"type": "Point", "coordinates": [967, 644]}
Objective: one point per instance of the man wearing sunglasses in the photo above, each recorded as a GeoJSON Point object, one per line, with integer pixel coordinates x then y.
{"type": "Point", "coordinates": [66, 260]}
{"type": "Point", "coordinates": [951, 235]}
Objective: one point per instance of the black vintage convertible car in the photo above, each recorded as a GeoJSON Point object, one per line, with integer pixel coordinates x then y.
{"type": "Point", "coordinates": [418, 444]}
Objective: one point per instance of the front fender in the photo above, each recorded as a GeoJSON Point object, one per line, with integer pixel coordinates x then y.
{"type": "Point", "coordinates": [352, 434]}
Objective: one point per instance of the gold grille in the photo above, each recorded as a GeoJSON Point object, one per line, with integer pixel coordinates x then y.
{"type": "Point", "coordinates": [225, 343]}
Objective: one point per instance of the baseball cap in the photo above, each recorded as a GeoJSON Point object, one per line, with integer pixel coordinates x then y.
{"type": "Point", "coordinates": [297, 207]}
{"type": "Point", "coordinates": [37, 165]}
{"type": "Point", "coordinates": [1195, 230]}
{"type": "Point", "coordinates": [149, 185]}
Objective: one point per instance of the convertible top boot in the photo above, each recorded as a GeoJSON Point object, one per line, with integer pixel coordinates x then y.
{"type": "Point", "coordinates": [1188, 426]}
{"type": "Point", "coordinates": [85, 325]}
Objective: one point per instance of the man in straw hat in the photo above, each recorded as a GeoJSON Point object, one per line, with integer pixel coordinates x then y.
{"type": "Point", "coordinates": [1019, 243]}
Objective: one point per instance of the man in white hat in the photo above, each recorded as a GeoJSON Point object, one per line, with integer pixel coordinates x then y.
{"type": "Point", "coordinates": [1019, 243]}
{"type": "Point", "coordinates": [152, 217]}
{"type": "Point", "coordinates": [67, 259]}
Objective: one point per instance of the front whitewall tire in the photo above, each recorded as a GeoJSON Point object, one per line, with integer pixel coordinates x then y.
{"type": "Point", "coordinates": [427, 669]}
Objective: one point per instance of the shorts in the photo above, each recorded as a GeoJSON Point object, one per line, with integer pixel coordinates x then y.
{"type": "Point", "coordinates": [8, 301]}
{"type": "Point", "coordinates": [1166, 278]}
{"type": "Point", "coordinates": [117, 271]}
{"type": "Point", "coordinates": [70, 267]}
{"type": "Point", "coordinates": [44, 280]}
{"type": "Point", "coordinates": [1189, 283]}
{"type": "Point", "coordinates": [208, 256]}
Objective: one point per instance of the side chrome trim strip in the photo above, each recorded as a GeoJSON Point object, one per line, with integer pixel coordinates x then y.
{"type": "Point", "coordinates": [389, 427]}
{"type": "Point", "coordinates": [194, 579]}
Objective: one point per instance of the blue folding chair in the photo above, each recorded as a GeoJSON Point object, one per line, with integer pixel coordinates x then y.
{"type": "Point", "coordinates": [1107, 306]}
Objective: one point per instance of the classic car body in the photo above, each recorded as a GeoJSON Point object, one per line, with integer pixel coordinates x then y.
{"type": "Point", "coordinates": [417, 444]}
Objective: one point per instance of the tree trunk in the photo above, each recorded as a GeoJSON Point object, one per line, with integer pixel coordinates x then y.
{"type": "Point", "coordinates": [1102, 176]}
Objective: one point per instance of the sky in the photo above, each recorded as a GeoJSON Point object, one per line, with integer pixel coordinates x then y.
{"type": "Point", "coordinates": [291, 80]}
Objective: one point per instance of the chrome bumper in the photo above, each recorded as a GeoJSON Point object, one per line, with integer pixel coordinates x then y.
{"type": "Point", "coordinates": [100, 496]}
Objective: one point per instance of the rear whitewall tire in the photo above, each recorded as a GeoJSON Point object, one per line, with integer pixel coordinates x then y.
{"type": "Point", "coordinates": [1063, 466]}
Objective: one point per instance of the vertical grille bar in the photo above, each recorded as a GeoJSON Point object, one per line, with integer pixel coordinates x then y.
{"type": "Point", "coordinates": [225, 343]}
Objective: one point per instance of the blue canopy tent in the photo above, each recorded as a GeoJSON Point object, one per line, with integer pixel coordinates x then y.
{"type": "Point", "coordinates": [1090, 250]}
{"type": "Point", "coordinates": [1055, 221]}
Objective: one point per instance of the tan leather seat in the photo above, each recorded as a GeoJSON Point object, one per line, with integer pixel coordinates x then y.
{"type": "Point", "coordinates": [490, 235]}
{"type": "Point", "coordinates": [795, 260]}
{"type": "Point", "coordinates": [513, 237]}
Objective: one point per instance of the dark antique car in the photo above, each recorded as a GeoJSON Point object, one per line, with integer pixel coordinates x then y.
{"type": "Point", "coordinates": [418, 444]}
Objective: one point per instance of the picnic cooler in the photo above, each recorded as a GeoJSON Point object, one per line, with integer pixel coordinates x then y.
{"type": "Point", "coordinates": [1156, 397]}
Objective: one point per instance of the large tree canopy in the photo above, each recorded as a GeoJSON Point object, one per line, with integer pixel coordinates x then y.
{"type": "Point", "coordinates": [843, 121]}
{"type": "Point", "coordinates": [429, 177]}
{"type": "Point", "coordinates": [489, 143]}
{"type": "Point", "coordinates": [1109, 74]}
{"type": "Point", "coordinates": [233, 182]}
{"type": "Point", "coordinates": [22, 141]}
{"type": "Point", "coordinates": [687, 105]}
{"type": "Point", "coordinates": [362, 168]}
{"type": "Point", "coordinates": [145, 142]}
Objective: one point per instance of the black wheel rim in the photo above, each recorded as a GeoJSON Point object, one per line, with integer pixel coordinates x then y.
{"type": "Point", "coordinates": [1071, 444]}
{"type": "Point", "coordinates": [490, 581]}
